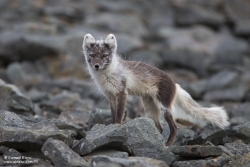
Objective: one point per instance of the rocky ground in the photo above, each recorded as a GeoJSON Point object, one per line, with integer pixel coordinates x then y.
{"type": "Point", "coordinates": [51, 114]}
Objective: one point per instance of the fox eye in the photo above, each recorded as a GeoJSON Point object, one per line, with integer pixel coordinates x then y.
{"type": "Point", "coordinates": [91, 55]}
{"type": "Point", "coordinates": [105, 55]}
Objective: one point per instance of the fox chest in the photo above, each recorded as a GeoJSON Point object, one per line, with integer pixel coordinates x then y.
{"type": "Point", "coordinates": [110, 84]}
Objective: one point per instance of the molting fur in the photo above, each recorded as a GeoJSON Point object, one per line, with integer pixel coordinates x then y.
{"type": "Point", "coordinates": [116, 78]}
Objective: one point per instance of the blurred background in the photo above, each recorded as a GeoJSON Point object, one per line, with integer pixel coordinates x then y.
{"type": "Point", "coordinates": [202, 45]}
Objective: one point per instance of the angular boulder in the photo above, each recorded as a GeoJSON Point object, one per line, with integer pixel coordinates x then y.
{"type": "Point", "coordinates": [61, 155]}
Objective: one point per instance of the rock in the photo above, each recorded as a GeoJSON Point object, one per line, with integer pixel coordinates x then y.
{"type": "Point", "coordinates": [181, 57]}
{"type": "Point", "coordinates": [61, 155]}
{"type": "Point", "coordinates": [36, 158]}
{"type": "Point", "coordinates": [242, 28]}
{"type": "Point", "coordinates": [244, 160]}
{"type": "Point", "coordinates": [119, 23]}
{"type": "Point", "coordinates": [125, 162]}
{"type": "Point", "coordinates": [64, 101]}
{"type": "Point", "coordinates": [151, 161]}
{"type": "Point", "coordinates": [23, 133]}
{"type": "Point", "coordinates": [208, 133]}
{"type": "Point", "coordinates": [37, 96]}
{"type": "Point", "coordinates": [12, 154]}
{"type": "Point", "coordinates": [62, 125]}
{"type": "Point", "coordinates": [192, 43]}
{"type": "Point", "coordinates": [241, 132]}
{"type": "Point", "coordinates": [99, 116]}
{"type": "Point", "coordinates": [241, 111]}
{"type": "Point", "coordinates": [67, 12]}
{"type": "Point", "coordinates": [144, 140]}
{"type": "Point", "coordinates": [237, 148]}
{"type": "Point", "coordinates": [128, 43]}
{"type": "Point", "coordinates": [189, 14]}
{"type": "Point", "coordinates": [25, 73]}
{"type": "Point", "coordinates": [107, 152]}
{"type": "Point", "coordinates": [236, 93]}
{"type": "Point", "coordinates": [197, 151]}
{"type": "Point", "coordinates": [237, 12]}
{"type": "Point", "coordinates": [222, 80]}
{"type": "Point", "coordinates": [196, 89]}
{"type": "Point", "coordinates": [26, 139]}
{"type": "Point", "coordinates": [183, 136]}
{"type": "Point", "coordinates": [217, 136]}
{"type": "Point", "coordinates": [113, 135]}
{"type": "Point", "coordinates": [80, 117]}
{"type": "Point", "coordinates": [19, 47]}
{"type": "Point", "coordinates": [218, 161]}
{"type": "Point", "coordinates": [146, 56]}
{"type": "Point", "coordinates": [13, 99]}
{"type": "Point", "coordinates": [224, 59]}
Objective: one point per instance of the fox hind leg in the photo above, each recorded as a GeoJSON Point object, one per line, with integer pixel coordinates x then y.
{"type": "Point", "coordinates": [152, 111]}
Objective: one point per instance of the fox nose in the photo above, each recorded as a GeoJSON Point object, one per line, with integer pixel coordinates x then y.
{"type": "Point", "coordinates": [96, 66]}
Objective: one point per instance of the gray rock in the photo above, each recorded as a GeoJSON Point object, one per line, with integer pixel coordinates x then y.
{"type": "Point", "coordinates": [208, 133]}
{"type": "Point", "coordinates": [242, 28]}
{"type": "Point", "coordinates": [218, 161]}
{"type": "Point", "coordinates": [13, 99]}
{"type": "Point", "coordinates": [61, 155]}
{"type": "Point", "coordinates": [122, 162]}
{"type": "Point", "coordinates": [151, 161]}
{"type": "Point", "coordinates": [18, 47]}
{"type": "Point", "coordinates": [118, 23]}
{"type": "Point", "coordinates": [238, 15]}
{"type": "Point", "coordinates": [107, 152]}
{"type": "Point", "coordinates": [16, 74]}
{"type": "Point", "coordinates": [242, 161]}
{"type": "Point", "coordinates": [224, 59]}
{"type": "Point", "coordinates": [12, 153]}
{"type": "Point", "coordinates": [146, 56]}
{"type": "Point", "coordinates": [25, 133]}
{"type": "Point", "coordinates": [229, 94]}
{"type": "Point", "coordinates": [61, 102]}
{"type": "Point", "coordinates": [144, 140]}
{"type": "Point", "coordinates": [80, 117]}
{"type": "Point", "coordinates": [196, 89]}
{"type": "Point", "coordinates": [190, 14]}
{"type": "Point", "coordinates": [181, 57]}
{"type": "Point", "coordinates": [25, 73]}
{"type": "Point", "coordinates": [113, 135]}
{"type": "Point", "coordinates": [66, 12]}
{"type": "Point", "coordinates": [197, 151]}
{"type": "Point", "coordinates": [222, 80]}
{"type": "Point", "coordinates": [99, 116]}
{"type": "Point", "coordinates": [62, 125]}
{"type": "Point", "coordinates": [241, 111]}
{"type": "Point", "coordinates": [128, 43]}
{"type": "Point", "coordinates": [32, 139]}
{"type": "Point", "coordinates": [37, 96]}
{"type": "Point", "coordinates": [221, 49]}
{"type": "Point", "coordinates": [217, 136]}
{"type": "Point", "coordinates": [237, 148]}
{"type": "Point", "coordinates": [183, 136]}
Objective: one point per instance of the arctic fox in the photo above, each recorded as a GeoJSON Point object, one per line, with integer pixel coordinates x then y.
{"type": "Point", "coordinates": [117, 78]}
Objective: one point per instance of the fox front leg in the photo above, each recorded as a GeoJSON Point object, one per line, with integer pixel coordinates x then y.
{"type": "Point", "coordinates": [117, 105]}
{"type": "Point", "coordinates": [120, 108]}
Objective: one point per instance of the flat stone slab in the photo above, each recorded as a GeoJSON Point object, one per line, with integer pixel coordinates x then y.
{"type": "Point", "coordinates": [113, 135]}
{"type": "Point", "coordinates": [197, 151]}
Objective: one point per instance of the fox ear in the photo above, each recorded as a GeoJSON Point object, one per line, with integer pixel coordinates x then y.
{"type": "Point", "coordinates": [87, 41]}
{"type": "Point", "coordinates": [111, 42]}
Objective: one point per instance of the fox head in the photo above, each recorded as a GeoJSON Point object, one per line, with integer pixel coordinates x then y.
{"type": "Point", "coordinates": [99, 54]}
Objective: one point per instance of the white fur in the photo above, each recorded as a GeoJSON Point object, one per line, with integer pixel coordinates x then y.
{"type": "Point", "coordinates": [111, 40]}
{"type": "Point", "coordinates": [186, 108]}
